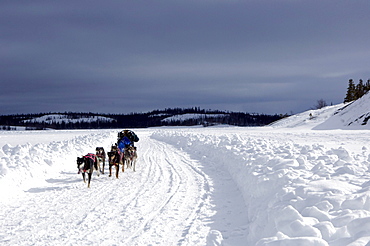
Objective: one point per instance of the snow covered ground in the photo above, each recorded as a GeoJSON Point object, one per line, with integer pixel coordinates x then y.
{"type": "Point", "coordinates": [285, 184]}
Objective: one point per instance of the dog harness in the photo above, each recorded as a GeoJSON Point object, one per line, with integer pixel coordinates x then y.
{"type": "Point", "coordinates": [91, 156]}
{"type": "Point", "coordinates": [84, 169]}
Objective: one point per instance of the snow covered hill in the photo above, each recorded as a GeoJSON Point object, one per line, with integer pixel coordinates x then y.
{"type": "Point", "coordinates": [354, 115]}
{"type": "Point", "coordinates": [63, 118]}
{"type": "Point", "coordinates": [350, 116]}
{"type": "Point", "coordinates": [308, 119]}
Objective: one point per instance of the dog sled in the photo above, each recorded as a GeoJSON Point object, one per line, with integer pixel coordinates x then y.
{"type": "Point", "coordinates": [128, 137]}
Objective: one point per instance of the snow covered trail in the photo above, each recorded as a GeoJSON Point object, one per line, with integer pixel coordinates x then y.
{"type": "Point", "coordinates": [167, 199]}
{"type": "Point", "coordinates": [193, 186]}
{"type": "Point", "coordinates": [171, 199]}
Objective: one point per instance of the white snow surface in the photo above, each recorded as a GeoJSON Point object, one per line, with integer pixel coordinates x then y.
{"type": "Point", "coordinates": [285, 184]}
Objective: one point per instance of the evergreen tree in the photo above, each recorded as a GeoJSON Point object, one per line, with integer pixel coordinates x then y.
{"type": "Point", "coordinates": [351, 91]}
{"type": "Point", "coordinates": [360, 89]}
{"type": "Point", "coordinates": [367, 86]}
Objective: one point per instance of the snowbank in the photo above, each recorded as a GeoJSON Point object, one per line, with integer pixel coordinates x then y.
{"type": "Point", "coordinates": [26, 165]}
{"type": "Point", "coordinates": [295, 194]}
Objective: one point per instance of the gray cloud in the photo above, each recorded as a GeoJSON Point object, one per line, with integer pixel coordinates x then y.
{"type": "Point", "coordinates": [125, 56]}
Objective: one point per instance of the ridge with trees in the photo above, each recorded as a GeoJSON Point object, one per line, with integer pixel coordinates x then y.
{"type": "Point", "coordinates": [135, 120]}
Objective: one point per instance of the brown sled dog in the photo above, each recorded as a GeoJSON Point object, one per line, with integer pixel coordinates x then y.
{"type": "Point", "coordinates": [115, 159]}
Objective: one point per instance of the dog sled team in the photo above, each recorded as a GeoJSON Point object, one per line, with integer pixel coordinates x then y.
{"type": "Point", "coordinates": [122, 153]}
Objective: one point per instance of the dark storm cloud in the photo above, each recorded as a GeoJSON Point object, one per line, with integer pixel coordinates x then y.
{"type": "Point", "coordinates": [260, 56]}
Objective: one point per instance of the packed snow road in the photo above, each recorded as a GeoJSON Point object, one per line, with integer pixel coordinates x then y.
{"type": "Point", "coordinates": [169, 200]}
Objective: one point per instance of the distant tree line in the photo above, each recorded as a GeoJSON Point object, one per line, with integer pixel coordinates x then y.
{"type": "Point", "coordinates": [140, 120]}
{"type": "Point", "coordinates": [8, 128]}
{"type": "Point", "coordinates": [354, 91]}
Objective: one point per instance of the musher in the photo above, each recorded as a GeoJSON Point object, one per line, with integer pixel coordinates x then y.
{"type": "Point", "coordinates": [126, 138]}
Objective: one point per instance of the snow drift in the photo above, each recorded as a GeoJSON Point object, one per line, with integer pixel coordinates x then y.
{"type": "Point", "coordinates": [296, 194]}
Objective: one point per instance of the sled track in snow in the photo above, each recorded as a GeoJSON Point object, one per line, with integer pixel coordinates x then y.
{"type": "Point", "coordinates": [181, 187]}
{"type": "Point", "coordinates": [161, 203]}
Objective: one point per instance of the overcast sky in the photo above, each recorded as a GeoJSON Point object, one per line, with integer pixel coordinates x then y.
{"type": "Point", "coordinates": [120, 56]}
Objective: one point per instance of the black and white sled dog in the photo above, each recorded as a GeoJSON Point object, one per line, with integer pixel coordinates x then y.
{"type": "Point", "coordinates": [130, 157]}
{"type": "Point", "coordinates": [87, 164]}
{"type": "Point", "coordinates": [100, 157]}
